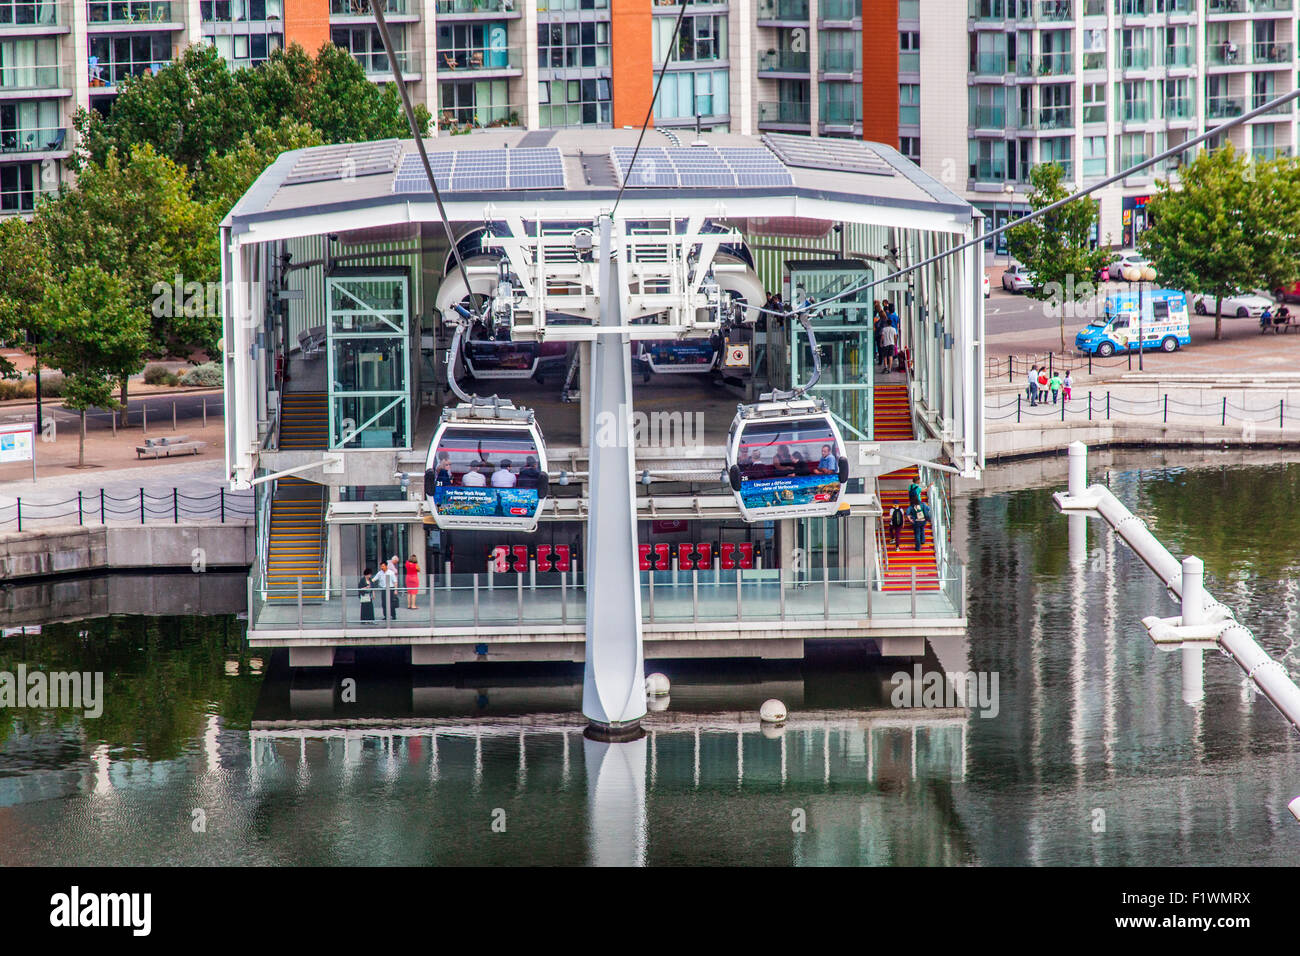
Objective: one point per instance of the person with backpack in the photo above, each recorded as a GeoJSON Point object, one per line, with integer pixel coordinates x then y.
{"type": "Point", "coordinates": [1031, 389]}
{"type": "Point", "coordinates": [919, 514]}
{"type": "Point", "coordinates": [896, 519]}
{"type": "Point", "coordinates": [913, 494]}
{"type": "Point", "coordinates": [1054, 385]}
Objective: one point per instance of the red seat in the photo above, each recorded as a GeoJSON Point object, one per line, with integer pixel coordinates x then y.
{"type": "Point", "coordinates": [726, 554]}
{"type": "Point", "coordinates": [746, 554]}
{"type": "Point", "coordinates": [686, 556]}
{"type": "Point", "coordinates": [521, 558]}
{"type": "Point", "coordinates": [705, 550]}
{"type": "Point", "coordinates": [498, 558]}
{"type": "Point", "coordinates": [561, 557]}
{"type": "Point", "coordinates": [644, 551]}
{"type": "Point", "coordinates": [543, 557]}
{"type": "Point", "coordinates": [662, 552]}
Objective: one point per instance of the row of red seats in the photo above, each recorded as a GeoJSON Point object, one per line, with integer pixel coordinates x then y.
{"type": "Point", "coordinates": [690, 556]}
{"type": "Point", "coordinates": [507, 558]}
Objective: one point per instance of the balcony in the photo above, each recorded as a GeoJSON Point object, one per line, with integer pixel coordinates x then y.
{"type": "Point", "coordinates": [841, 61]}
{"type": "Point", "coordinates": [1270, 152]}
{"type": "Point", "coordinates": [989, 117]}
{"type": "Point", "coordinates": [23, 200]}
{"type": "Point", "coordinates": [479, 60]}
{"type": "Point", "coordinates": [1178, 108]}
{"type": "Point", "coordinates": [1272, 53]}
{"type": "Point", "coordinates": [1224, 54]}
{"type": "Point", "coordinates": [361, 8]}
{"type": "Point", "coordinates": [1134, 59]}
{"type": "Point", "coordinates": [990, 64]}
{"type": "Point", "coordinates": [15, 78]}
{"type": "Point", "coordinates": [1222, 108]}
{"type": "Point", "coordinates": [1055, 10]}
{"type": "Point", "coordinates": [784, 113]}
{"type": "Point", "coordinates": [45, 139]}
{"type": "Point", "coordinates": [988, 171]}
{"type": "Point", "coordinates": [783, 61]}
{"type": "Point", "coordinates": [1051, 117]}
{"type": "Point", "coordinates": [841, 11]}
{"type": "Point", "coordinates": [1047, 64]}
{"type": "Point", "coordinates": [1135, 111]}
{"type": "Point", "coordinates": [1177, 7]}
{"type": "Point", "coordinates": [1179, 56]}
{"type": "Point", "coordinates": [791, 10]}
{"type": "Point", "coordinates": [125, 12]}
{"type": "Point", "coordinates": [1135, 8]}
{"type": "Point", "coordinates": [466, 118]}
{"type": "Point", "coordinates": [1273, 6]}
{"type": "Point", "coordinates": [473, 8]}
{"type": "Point", "coordinates": [841, 112]}
{"type": "Point", "coordinates": [988, 9]}
{"type": "Point", "coordinates": [21, 16]}
{"type": "Point", "coordinates": [1213, 7]}
{"type": "Point", "coordinates": [1259, 99]}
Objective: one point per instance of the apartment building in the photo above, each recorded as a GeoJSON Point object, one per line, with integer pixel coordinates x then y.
{"type": "Point", "coordinates": [1095, 85]}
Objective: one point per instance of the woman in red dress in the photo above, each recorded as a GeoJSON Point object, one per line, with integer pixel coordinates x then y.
{"type": "Point", "coordinates": [412, 581]}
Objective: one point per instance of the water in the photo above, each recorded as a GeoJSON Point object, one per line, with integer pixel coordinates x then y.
{"type": "Point", "coordinates": [1093, 758]}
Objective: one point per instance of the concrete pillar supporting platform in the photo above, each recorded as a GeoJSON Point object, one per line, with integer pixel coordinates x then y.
{"type": "Point", "coordinates": [311, 657]}
{"type": "Point", "coordinates": [901, 646]}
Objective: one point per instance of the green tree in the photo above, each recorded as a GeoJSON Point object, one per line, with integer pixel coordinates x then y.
{"type": "Point", "coordinates": [22, 287]}
{"type": "Point", "coordinates": [227, 176]}
{"type": "Point", "coordinates": [1054, 247]}
{"type": "Point", "coordinates": [96, 337]}
{"type": "Point", "coordinates": [1230, 225]}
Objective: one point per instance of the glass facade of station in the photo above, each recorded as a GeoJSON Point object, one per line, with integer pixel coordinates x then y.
{"type": "Point", "coordinates": [845, 338]}
{"type": "Point", "coordinates": [369, 369]}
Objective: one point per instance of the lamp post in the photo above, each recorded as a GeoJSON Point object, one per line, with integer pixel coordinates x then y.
{"type": "Point", "coordinates": [1139, 274]}
{"type": "Point", "coordinates": [1008, 190]}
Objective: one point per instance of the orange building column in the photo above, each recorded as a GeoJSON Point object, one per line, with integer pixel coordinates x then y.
{"type": "Point", "coordinates": [307, 23]}
{"type": "Point", "coordinates": [631, 53]}
{"type": "Point", "coordinates": [880, 63]}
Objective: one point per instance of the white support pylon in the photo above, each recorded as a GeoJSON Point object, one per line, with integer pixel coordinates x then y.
{"type": "Point", "coordinates": [613, 686]}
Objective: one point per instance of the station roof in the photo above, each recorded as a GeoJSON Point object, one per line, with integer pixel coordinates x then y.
{"type": "Point", "coordinates": [505, 166]}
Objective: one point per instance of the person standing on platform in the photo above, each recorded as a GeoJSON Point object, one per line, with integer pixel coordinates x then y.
{"type": "Point", "coordinates": [412, 581]}
{"type": "Point", "coordinates": [367, 597]}
{"type": "Point", "coordinates": [1031, 389]}
{"type": "Point", "coordinates": [888, 341]}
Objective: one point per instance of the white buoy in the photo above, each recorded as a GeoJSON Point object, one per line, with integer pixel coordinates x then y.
{"type": "Point", "coordinates": [656, 685]}
{"type": "Point", "coordinates": [1294, 807]}
{"type": "Point", "coordinates": [772, 731]}
{"type": "Point", "coordinates": [772, 712]}
{"type": "Point", "coordinates": [657, 705]}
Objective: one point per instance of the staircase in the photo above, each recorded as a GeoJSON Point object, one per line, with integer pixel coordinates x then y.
{"type": "Point", "coordinates": [304, 421]}
{"type": "Point", "coordinates": [892, 421]}
{"type": "Point", "coordinates": [296, 541]}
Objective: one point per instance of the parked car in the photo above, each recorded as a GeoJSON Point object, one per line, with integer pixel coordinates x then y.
{"type": "Point", "coordinates": [986, 285]}
{"type": "Point", "coordinates": [1288, 294]}
{"type": "Point", "coordinates": [1122, 260]}
{"type": "Point", "coordinates": [1242, 305]}
{"type": "Point", "coordinates": [1018, 279]}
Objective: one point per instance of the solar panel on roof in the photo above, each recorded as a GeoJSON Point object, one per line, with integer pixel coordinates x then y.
{"type": "Point", "coordinates": [702, 166]}
{"type": "Point", "coordinates": [483, 170]}
{"type": "Point", "coordinates": [848, 155]}
{"type": "Point", "coordinates": [344, 161]}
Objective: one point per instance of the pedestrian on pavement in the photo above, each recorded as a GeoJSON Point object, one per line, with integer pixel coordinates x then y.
{"type": "Point", "coordinates": [888, 339]}
{"type": "Point", "coordinates": [896, 519]}
{"type": "Point", "coordinates": [919, 514]}
{"type": "Point", "coordinates": [913, 494]}
{"type": "Point", "coordinates": [1054, 384]}
{"type": "Point", "coordinates": [1031, 390]}
{"type": "Point", "coordinates": [891, 315]}
{"type": "Point", "coordinates": [367, 598]}
{"type": "Point", "coordinates": [1066, 385]}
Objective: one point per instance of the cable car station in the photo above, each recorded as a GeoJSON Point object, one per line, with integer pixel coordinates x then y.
{"type": "Point", "coordinates": [605, 409]}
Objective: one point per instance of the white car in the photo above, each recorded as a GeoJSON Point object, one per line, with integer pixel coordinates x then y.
{"type": "Point", "coordinates": [1124, 260]}
{"type": "Point", "coordinates": [1018, 279]}
{"type": "Point", "coordinates": [986, 285]}
{"type": "Point", "coordinates": [1242, 305]}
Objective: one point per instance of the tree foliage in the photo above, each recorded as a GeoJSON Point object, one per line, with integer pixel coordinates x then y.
{"type": "Point", "coordinates": [22, 286]}
{"type": "Point", "coordinates": [1055, 247]}
{"type": "Point", "coordinates": [1232, 224]}
{"type": "Point", "coordinates": [227, 176]}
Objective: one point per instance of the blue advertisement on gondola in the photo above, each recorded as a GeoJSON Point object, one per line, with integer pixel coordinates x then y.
{"type": "Point", "coordinates": [789, 491]}
{"type": "Point", "coordinates": [459, 501]}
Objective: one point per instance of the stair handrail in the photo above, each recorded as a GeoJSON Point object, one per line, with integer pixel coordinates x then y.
{"type": "Point", "coordinates": [882, 551]}
{"type": "Point", "coordinates": [264, 534]}
{"type": "Point", "coordinates": [324, 550]}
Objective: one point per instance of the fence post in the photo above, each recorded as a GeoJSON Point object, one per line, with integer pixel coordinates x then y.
{"type": "Point", "coordinates": [1017, 408]}
{"type": "Point", "coordinates": [1090, 405]}
{"type": "Point", "coordinates": [79, 520]}
{"type": "Point", "coordinates": [1130, 361]}
{"type": "Point", "coordinates": [20, 514]}
{"type": "Point", "coordinates": [1050, 371]}
{"type": "Point", "coordinates": [103, 516]}
{"type": "Point", "coordinates": [1224, 420]}
{"type": "Point", "coordinates": [142, 506]}
{"type": "Point", "coordinates": [1107, 406]}
{"type": "Point", "coordinates": [1062, 408]}
{"type": "Point", "coordinates": [1010, 373]}
{"type": "Point", "coordinates": [1089, 363]}
{"type": "Point", "coordinates": [176, 509]}
{"type": "Point", "coordinates": [1166, 408]}
{"type": "Point", "coordinates": [1281, 403]}
{"type": "Point", "coordinates": [222, 490]}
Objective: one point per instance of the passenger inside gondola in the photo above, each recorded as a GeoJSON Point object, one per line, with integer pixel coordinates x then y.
{"type": "Point", "coordinates": [529, 475]}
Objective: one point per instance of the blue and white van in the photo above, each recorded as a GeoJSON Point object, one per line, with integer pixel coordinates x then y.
{"type": "Point", "coordinates": [1164, 324]}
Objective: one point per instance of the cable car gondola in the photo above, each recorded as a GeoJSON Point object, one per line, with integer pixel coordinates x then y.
{"type": "Point", "coordinates": [486, 469]}
{"type": "Point", "coordinates": [786, 460]}
{"type": "Point", "coordinates": [678, 356]}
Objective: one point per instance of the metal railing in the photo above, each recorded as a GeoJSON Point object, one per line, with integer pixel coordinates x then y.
{"type": "Point", "coordinates": [173, 507]}
{"type": "Point", "coordinates": [783, 10]}
{"type": "Point", "coordinates": [786, 111]}
{"type": "Point", "coordinates": [24, 14]}
{"type": "Point", "coordinates": [783, 61]}
{"type": "Point", "coordinates": [1105, 406]}
{"type": "Point", "coordinates": [33, 140]}
{"type": "Point", "coordinates": [477, 59]}
{"type": "Point", "coordinates": [31, 77]}
{"type": "Point", "coordinates": [483, 7]}
{"type": "Point", "coordinates": [129, 11]}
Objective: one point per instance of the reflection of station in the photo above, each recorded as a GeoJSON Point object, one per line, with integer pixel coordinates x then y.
{"type": "Point", "coordinates": [546, 417]}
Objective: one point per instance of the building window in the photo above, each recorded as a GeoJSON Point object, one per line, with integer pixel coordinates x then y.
{"type": "Point", "coordinates": [1057, 150]}
{"type": "Point", "coordinates": [988, 160]}
{"type": "Point", "coordinates": [20, 186]}
{"type": "Point", "coordinates": [236, 11]}
{"type": "Point", "coordinates": [910, 146]}
{"type": "Point", "coordinates": [685, 95]}
{"type": "Point", "coordinates": [700, 38]}
{"type": "Point", "coordinates": [909, 57]}
{"type": "Point", "coordinates": [909, 104]}
{"type": "Point", "coordinates": [367, 47]}
{"type": "Point", "coordinates": [576, 102]}
{"type": "Point", "coordinates": [1094, 102]}
{"type": "Point", "coordinates": [470, 103]}
{"type": "Point", "coordinates": [841, 103]}
{"type": "Point", "coordinates": [137, 54]}
{"type": "Point", "coordinates": [561, 45]}
{"type": "Point", "coordinates": [1094, 156]}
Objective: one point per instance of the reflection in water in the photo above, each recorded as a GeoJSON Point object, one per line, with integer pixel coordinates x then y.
{"type": "Point", "coordinates": [1093, 757]}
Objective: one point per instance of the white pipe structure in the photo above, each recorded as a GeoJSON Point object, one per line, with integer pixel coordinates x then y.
{"type": "Point", "coordinates": [1204, 622]}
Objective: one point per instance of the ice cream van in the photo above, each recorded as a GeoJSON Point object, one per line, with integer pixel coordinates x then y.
{"type": "Point", "coordinates": [1164, 324]}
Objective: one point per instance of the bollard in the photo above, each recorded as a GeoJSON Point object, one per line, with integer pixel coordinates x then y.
{"type": "Point", "coordinates": [173, 415]}
{"type": "Point", "coordinates": [1224, 421]}
{"type": "Point", "coordinates": [1017, 409]}
{"type": "Point", "coordinates": [1193, 612]}
{"type": "Point", "coordinates": [1089, 363]}
{"type": "Point", "coordinates": [1010, 379]}
{"type": "Point", "coordinates": [1078, 469]}
{"type": "Point", "coordinates": [1062, 408]}
{"type": "Point", "coordinates": [144, 417]}
{"type": "Point", "coordinates": [447, 564]}
{"type": "Point", "coordinates": [205, 411]}
{"type": "Point", "coordinates": [79, 520]}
